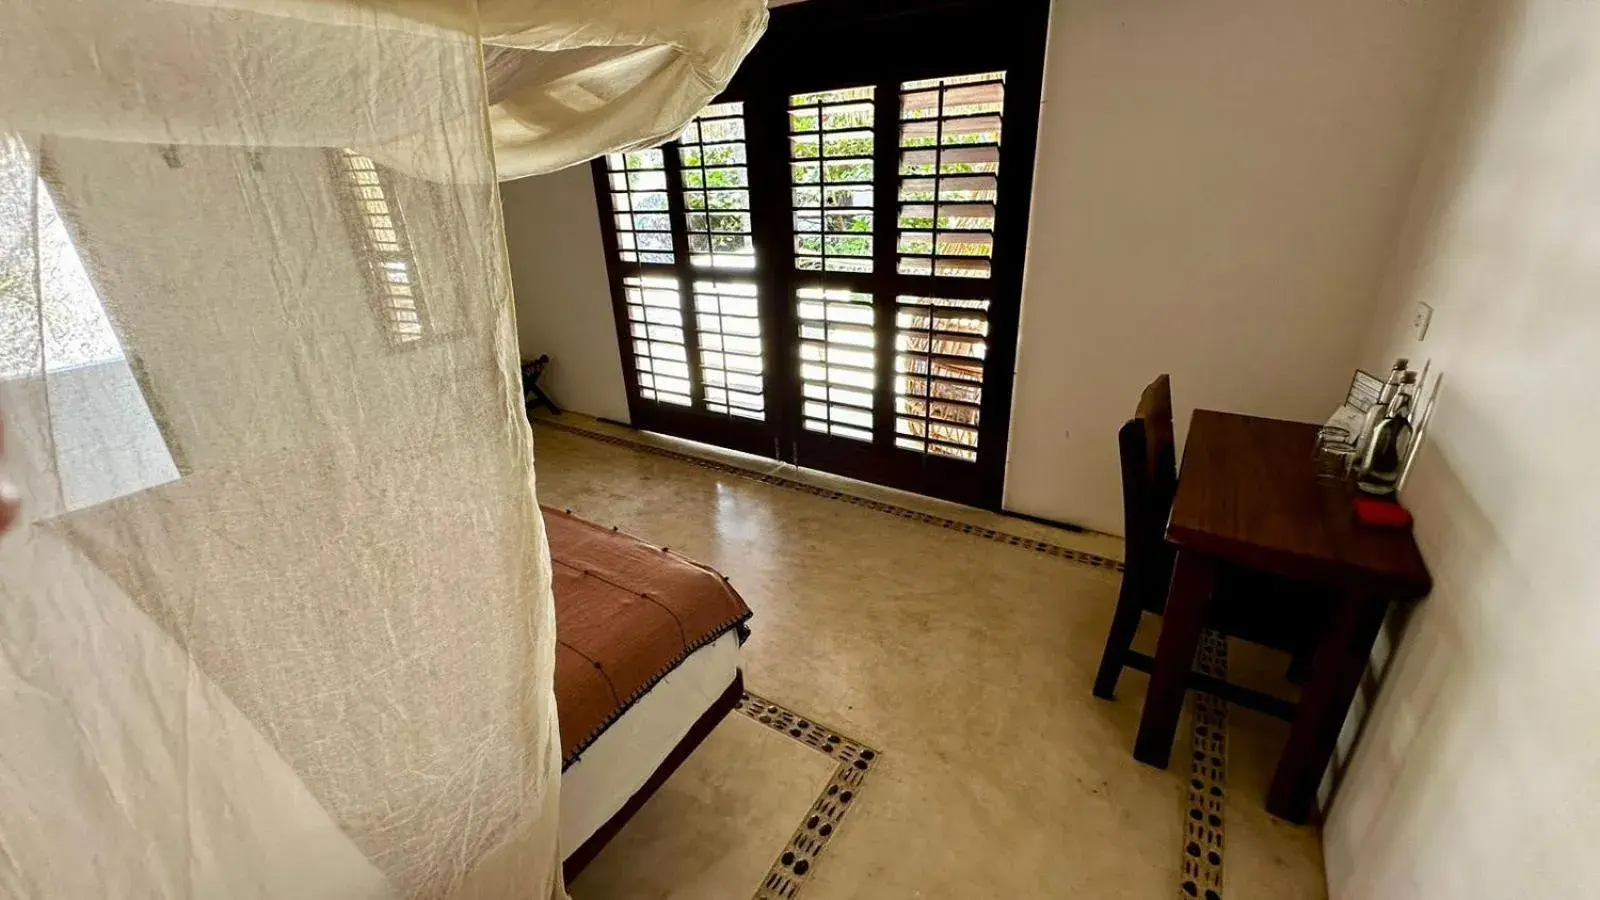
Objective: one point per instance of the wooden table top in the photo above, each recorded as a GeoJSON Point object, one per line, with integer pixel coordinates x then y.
{"type": "Point", "coordinates": [1248, 492]}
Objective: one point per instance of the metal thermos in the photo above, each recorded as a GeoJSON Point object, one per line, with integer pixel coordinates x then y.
{"type": "Point", "coordinates": [1384, 457]}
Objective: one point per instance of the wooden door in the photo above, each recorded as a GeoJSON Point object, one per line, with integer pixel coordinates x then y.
{"type": "Point", "coordinates": [826, 266]}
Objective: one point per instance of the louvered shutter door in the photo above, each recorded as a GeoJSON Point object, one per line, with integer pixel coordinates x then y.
{"type": "Point", "coordinates": [829, 274]}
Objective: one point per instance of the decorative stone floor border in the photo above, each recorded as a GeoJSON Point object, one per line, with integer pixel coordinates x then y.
{"type": "Point", "coordinates": [1200, 876]}
{"type": "Point", "coordinates": [791, 870]}
{"type": "Point", "coordinates": [1049, 549]}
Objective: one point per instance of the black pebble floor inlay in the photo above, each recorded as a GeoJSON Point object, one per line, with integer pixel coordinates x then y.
{"type": "Point", "coordinates": [1081, 557]}
{"type": "Point", "coordinates": [1200, 874]}
{"type": "Point", "coordinates": [854, 760]}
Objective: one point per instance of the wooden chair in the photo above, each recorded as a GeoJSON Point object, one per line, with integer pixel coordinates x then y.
{"type": "Point", "coordinates": [1275, 612]}
{"type": "Point", "coordinates": [1149, 481]}
{"type": "Point", "coordinates": [532, 394]}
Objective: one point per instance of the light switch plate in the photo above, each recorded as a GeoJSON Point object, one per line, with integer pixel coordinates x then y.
{"type": "Point", "coordinates": [1421, 319]}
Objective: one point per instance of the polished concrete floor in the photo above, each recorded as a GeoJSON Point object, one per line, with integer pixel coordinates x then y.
{"type": "Point", "coordinates": [715, 826]}
{"type": "Point", "coordinates": [967, 661]}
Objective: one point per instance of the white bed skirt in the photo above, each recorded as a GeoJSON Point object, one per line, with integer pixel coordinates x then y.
{"type": "Point", "coordinates": [617, 765]}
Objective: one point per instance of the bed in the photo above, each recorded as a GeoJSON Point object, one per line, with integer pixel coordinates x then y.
{"type": "Point", "coordinates": [647, 664]}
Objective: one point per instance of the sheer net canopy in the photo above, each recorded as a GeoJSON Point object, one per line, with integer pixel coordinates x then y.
{"type": "Point", "coordinates": [276, 619]}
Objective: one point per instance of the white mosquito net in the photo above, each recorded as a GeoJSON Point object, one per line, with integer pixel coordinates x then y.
{"type": "Point", "coordinates": [276, 618]}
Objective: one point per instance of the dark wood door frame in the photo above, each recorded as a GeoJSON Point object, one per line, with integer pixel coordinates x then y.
{"type": "Point", "coordinates": [830, 44]}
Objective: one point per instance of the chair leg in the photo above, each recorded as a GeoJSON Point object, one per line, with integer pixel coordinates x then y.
{"type": "Point", "coordinates": [1124, 624]}
{"type": "Point", "coordinates": [540, 398]}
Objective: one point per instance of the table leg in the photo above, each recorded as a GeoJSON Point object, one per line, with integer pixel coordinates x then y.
{"type": "Point", "coordinates": [1340, 664]}
{"type": "Point", "coordinates": [1187, 601]}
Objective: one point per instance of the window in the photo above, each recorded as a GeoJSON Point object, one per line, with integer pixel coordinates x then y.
{"type": "Point", "coordinates": [639, 200]}
{"type": "Point", "coordinates": [380, 232]}
{"type": "Point", "coordinates": [949, 174]}
{"type": "Point", "coordinates": [655, 317]}
{"type": "Point", "coordinates": [706, 355]}
{"type": "Point", "coordinates": [938, 385]}
{"type": "Point", "coordinates": [101, 429]}
{"type": "Point", "coordinates": [831, 147]}
{"type": "Point", "coordinates": [949, 153]}
{"type": "Point", "coordinates": [728, 318]}
{"type": "Point", "coordinates": [838, 362]}
{"type": "Point", "coordinates": [716, 189]}
{"type": "Point", "coordinates": [825, 266]}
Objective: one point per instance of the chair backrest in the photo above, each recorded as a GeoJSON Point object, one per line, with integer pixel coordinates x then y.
{"type": "Point", "coordinates": [1149, 482]}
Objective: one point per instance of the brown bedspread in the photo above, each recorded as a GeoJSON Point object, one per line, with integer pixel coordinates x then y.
{"type": "Point", "coordinates": [626, 614]}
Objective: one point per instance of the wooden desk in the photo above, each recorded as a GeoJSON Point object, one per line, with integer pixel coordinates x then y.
{"type": "Point", "coordinates": [1248, 496]}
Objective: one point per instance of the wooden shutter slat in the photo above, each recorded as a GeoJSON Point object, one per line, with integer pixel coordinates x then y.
{"type": "Point", "coordinates": [966, 154]}
{"type": "Point", "coordinates": [948, 210]}
{"type": "Point", "coordinates": [946, 127]}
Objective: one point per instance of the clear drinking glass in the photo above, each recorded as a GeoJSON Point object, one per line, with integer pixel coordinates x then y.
{"type": "Point", "coordinates": [1334, 455]}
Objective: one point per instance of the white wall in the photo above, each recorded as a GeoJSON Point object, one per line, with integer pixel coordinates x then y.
{"type": "Point", "coordinates": [1217, 188]}
{"type": "Point", "coordinates": [563, 298]}
{"type": "Point", "coordinates": [1478, 775]}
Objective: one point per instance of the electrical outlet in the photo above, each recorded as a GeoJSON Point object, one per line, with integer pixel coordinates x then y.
{"type": "Point", "coordinates": [1421, 319]}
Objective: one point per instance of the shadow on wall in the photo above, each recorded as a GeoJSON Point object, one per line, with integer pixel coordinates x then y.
{"type": "Point", "coordinates": [1419, 657]}
{"type": "Point", "coordinates": [1441, 176]}
{"type": "Point", "coordinates": [1475, 775]}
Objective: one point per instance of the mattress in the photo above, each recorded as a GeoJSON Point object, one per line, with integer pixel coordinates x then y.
{"type": "Point", "coordinates": [619, 762]}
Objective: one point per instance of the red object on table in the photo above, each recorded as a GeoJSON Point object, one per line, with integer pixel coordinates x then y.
{"type": "Point", "coordinates": [1382, 513]}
